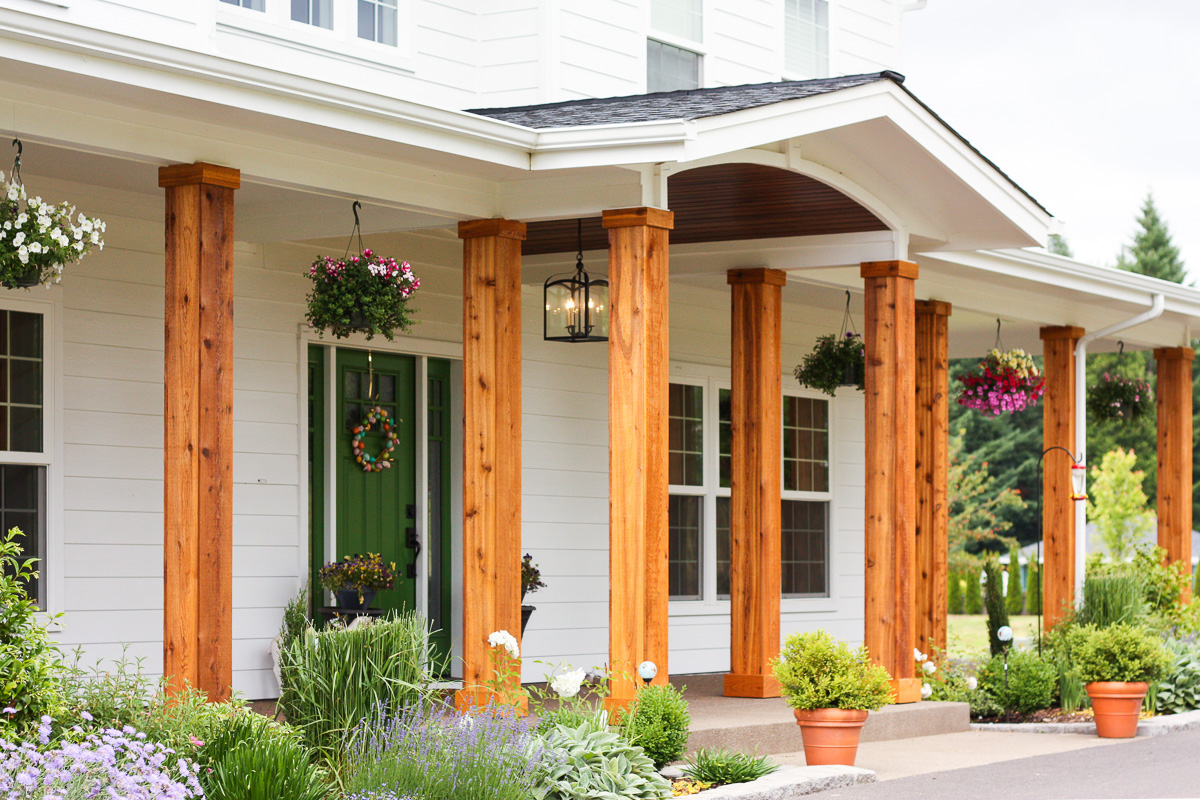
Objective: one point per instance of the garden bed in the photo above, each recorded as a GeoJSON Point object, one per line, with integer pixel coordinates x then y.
{"type": "Point", "coordinates": [791, 782]}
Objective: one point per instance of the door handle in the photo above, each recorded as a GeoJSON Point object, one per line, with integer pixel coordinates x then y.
{"type": "Point", "coordinates": [411, 541]}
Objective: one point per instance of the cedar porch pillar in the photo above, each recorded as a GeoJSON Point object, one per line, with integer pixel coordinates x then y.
{"type": "Point", "coordinates": [933, 472]}
{"type": "Point", "coordinates": [1175, 452]}
{"type": "Point", "coordinates": [198, 428]}
{"type": "Point", "coordinates": [637, 435]}
{"type": "Point", "coordinates": [491, 446]}
{"type": "Point", "coordinates": [1058, 507]}
{"type": "Point", "coordinates": [891, 464]}
{"type": "Point", "coordinates": [756, 399]}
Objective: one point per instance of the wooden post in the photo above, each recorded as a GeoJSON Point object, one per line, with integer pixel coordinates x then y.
{"type": "Point", "coordinates": [637, 434]}
{"type": "Point", "coordinates": [1175, 446]}
{"type": "Point", "coordinates": [198, 428]}
{"type": "Point", "coordinates": [1058, 509]}
{"type": "Point", "coordinates": [491, 449]}
{"type": "Point", "coordinates": [891, 465]}
{"type": "Point", "coordinates": [756, 406]}
{"type": "Point", "coordinates": [933, 472]}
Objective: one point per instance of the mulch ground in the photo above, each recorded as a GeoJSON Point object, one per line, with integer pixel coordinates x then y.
{"type": "Point", "coordinates": [1042, 715]}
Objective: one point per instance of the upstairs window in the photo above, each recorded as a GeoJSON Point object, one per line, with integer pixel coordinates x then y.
{"type": "Point", "coordinates": [806, 37]}
{"type": "Point", "coordinates": [670, 68]}
{"type": "Point", "coordinates": [253, 5]}
{"type": "Point", "coordinates": [313, 12]}
{"type": "Point", "coordinates": [377, 21]}
{"type": "Point", "coordinates": [681, 18]}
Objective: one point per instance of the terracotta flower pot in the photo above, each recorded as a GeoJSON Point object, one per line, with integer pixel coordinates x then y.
{"type": "Point", "coordinates": [1116, 705]}
{"type": "Point", "coordinates": [830, 735]}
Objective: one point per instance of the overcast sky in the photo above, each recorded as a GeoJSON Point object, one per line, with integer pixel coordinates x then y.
{"type": "Point", "coordinates": [1086, 104]}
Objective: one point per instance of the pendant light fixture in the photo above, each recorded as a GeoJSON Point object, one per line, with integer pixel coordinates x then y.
{"type": "Point", "coordinates": [576, 303]}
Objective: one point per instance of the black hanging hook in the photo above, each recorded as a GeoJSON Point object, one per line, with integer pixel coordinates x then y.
{"type": "Point", "coordinates": [847, 319]}
{"type": "Point", "coordinates": [16, 170]}
{"type": "Point", "coordinates": [1120, 348]}
{"type": "Point", "coordinates": [357, 205]}
{"type": "Point", "coordinates": [356, 231]}
{"type": "Point", "coordinates": [999, 343]}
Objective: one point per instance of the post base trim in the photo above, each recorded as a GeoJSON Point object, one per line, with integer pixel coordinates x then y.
{"type": "Point", "coordinates": [906, 690]}
{"type": "Point", "coordinates": [753, 685]}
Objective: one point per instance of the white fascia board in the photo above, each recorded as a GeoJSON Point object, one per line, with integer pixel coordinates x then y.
{"type": "Point", "coordinates": [1077, 276]}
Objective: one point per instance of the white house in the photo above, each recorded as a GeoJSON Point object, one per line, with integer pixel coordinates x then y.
{"type": "Point", "coordinates": [777, 181]}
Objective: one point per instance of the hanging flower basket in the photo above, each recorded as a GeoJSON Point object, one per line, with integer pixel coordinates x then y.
{"type": "Point", "coordinates": [1115, 398]}
{"type": "Point", "coordinates": [37, 239]}
{"type": "Point", "coordinates": [834, 361]}
{"type": "Point", "coordinates": [365, 294]}
{"type": "Point", "coordinates": [1005, 381]}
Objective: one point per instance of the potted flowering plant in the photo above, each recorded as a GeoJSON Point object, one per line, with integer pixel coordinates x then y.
{"type": "Point", "coordinates": [834, 361]}
{"type": "Point", "coordinates": [531, 581]}
{"type": "Point", "coordinates": [355, 579]}
{"type": "Point", "coordinates": [38, 239]}
{"type": "Point", "coordinates": [1116, 665]}
{"type": "Point", "coordinates": [365, 293]}
{"type": "Point", "coordinates": [1005, 381]}
{"type": "Point", "coordinates": [830, 689]}
{"type": "Point", "coordinates": [1115, 397]}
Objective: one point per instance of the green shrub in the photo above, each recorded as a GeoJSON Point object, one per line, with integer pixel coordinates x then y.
{"type": "Point", "coordinates": [1033, 588]}
{"type": "Point", "coordinates": [1111, 598]}
{"type": "Point", "coordinates": [1032, 682]}
{"type": "Point", "coordinates": [956, 596]}
{"type": "Point", "coordinates": [997, 610]}
{"type": "Point", "coordinates": [974, 601]}
{"type": "Point", "coordinates": [250, 757]}
{"type": "Point", "coordinates": [31, 670]}
{"type": "Point", "coordinates": [1179, 689]}
{"type": "Point", "coordinates": [585, 764]}
{"type": "Point", "coordinates": [658, 722]}
{"type": "Point", "coordinates": [1120, 652]}
{"type": "Point", "coordinates": [295, 619]}
{"type": "Point", "coordinates": [1014, 597]}
{"type": "Point", "coordinates": [333, 679]}
{"type": "Point", "coordinates": [816, 671]}
{"type": "Point", "coordinates": [720, 767]}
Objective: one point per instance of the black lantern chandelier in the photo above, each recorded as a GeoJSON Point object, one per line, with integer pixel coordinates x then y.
{"type": "Point", "coordinates": [576, 304]}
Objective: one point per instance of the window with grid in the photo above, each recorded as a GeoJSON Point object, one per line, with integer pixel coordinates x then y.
{"type": "Point", "coordinates": [686, 510]}
{"type": "Point", "coordinates": [23, 485]}
{"type": "Point", "coordinates": [377, 21]}
{"type": "Point", "coordinates": [805, 444]}
{"type": "Point", "coordinates": [806, 37]}
{"type": "Point", "coordinates": [804, 538]}
{"type": "Point", "coordinates": [682, 18]}
{"type": "Point", "coordinates": [313, 12]}
{"type": "Point", "coordinates": [253, 5]}
{"type": "Point", "coordinates": [670, 68]}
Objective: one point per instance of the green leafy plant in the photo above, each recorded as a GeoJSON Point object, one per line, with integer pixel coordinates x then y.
{"type": "Point", "coordinates": [365, 294]}
{"type": "Point", "coordinates": [295, 619]}
{"type": "Point", "coordinates": [333, 679]}
{"type": "Point", "coordinates": [722, 766]}
{"type": "Point", "coordinates": [1031, 684]}
{"type": "Point", "coordinates": [251, 757]}
{"type": "Point", "coordinates": [586, 764]}
{"type": "Point", "coordinates": [1015, 595]}
{"type": "Point", "coordinates": [956, 593]}
{"type": "Point", "coordinates": [1179, 689]}
{"type": "Point", "coordinates": [1117, 504]}
{"type": "Point", "coordinates": [997, 608]}
{"type": "Point", "coordinates": [31, 670]}
{"type": "Point", "coordinates": [1117, 398]}
{"type": "Point", "coordinates": [832, 360]}
{"type": "Point", "coordinates": [1123, 652]}
{"type": "Point", "coordinates": [364, 573]}
{"type": "Point", "coordinates": [1111, 599]}
{"type": "Point", "coordinates": [658, 721]}
{"type": "Point", "coordinates": [816, 671]}
{"type": "Point", "coordinates": [531, 576]}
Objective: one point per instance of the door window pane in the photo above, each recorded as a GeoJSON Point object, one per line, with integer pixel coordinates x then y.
{"type": "Point", "coordinates": [684, 532]}
{"type": "Point", "coordinates": [22, 505]}
{"type": "Point", "coordinates": [670, 68]}
{"type": "Point", "coordinates": [682, 18]}
{"type": "Point", "coordinates": [377, 21]}
{"type": "Point", "coordinates": [686, 435]}
{"type": "Point", "coordinates": [806, 37]}
{"type": "Point", "coordinates": [725, 424]}
{"type": "Point", "coordinates": [21, 381]}
{"type": "Point", "coordinates": [804, 541]}
{"type": "Point", "coordinates": [805, 444]}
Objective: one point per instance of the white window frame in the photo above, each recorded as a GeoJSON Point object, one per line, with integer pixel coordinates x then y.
{"type": "Point", "coordinates": [713, 379]}
{"type": "Point", "coordinates": [832, 40]}
{"type": "Point", "coordinates": [51, 566]}
{"type": "Point", "coordinates": [682, 42]}
{"type": "Point", "coordinates": [702, 490]}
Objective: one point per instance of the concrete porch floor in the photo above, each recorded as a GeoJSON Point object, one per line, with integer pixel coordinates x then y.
{"type": "Point", "coordinates": [767, 725]}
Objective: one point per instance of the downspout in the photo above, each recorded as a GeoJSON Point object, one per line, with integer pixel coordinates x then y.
{"type": "Point", "coordinates": [1154, 312]}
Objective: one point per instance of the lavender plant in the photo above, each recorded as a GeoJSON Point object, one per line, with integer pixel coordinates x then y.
{"type": "Point", "coordinates": [105, 763]}
{"type": "Point", "coordinates": [434, 752]}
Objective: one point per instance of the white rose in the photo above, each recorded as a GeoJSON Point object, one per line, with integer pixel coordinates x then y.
{"type": "Point", "coordinates": [567, 684]}
{"type": "Point", "coordinates": [19, 238]}
{"type": "Point", "coordinates": [918, 655]}
{"type": "Point", "coordinates": [507, 641]}
{"type": "Point", "coordinates": [926, 691]}
{"type": "Point", "coordinates": [972, 683]}
{"type": "Point", "coordinates": [929, 667]}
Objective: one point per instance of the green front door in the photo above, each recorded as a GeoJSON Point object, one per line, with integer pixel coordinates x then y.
{"type": "Point", "coordinates": [376, 511]}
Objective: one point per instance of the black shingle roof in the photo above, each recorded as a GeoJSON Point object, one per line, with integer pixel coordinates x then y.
{"type": "Point", "coordinates": [681, 105]}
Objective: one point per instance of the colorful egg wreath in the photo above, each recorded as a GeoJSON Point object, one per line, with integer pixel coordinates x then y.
{"type": "Point", "coordinates": [384, 459]}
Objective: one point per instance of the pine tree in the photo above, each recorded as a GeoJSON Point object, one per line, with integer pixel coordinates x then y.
{"type": "Point", "coordinates": [956, 594]}
{"type": "Point", "coordinates": [1033, 588]}
{"type": "Point", "coordinates": [1058, 245]}
{"type": "Point", "coordinates": [1015, 597]}
{"type": "Point", "coordinates": [1152, 252]}
{"type": "Point", "coordinates": [997, 611]}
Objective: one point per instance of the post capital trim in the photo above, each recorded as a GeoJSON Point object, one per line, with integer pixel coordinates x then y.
{"type": "Point", "coordinates": [199, 173]}
{"type": "Point", "coordinates": [934, 308]}
{"type": "Point", "coordinates": [497, 226]}
{"type": "Point", "coordinates": [1052, 332]}
{"type": "Point", "coordinates": [889, 269]}
{"type": "Point", "coordinates": [772, 277]}
{"type": "Point", "coordinates": [1174, 354]}
{"type": "Point", "coordinates": [643, 216]}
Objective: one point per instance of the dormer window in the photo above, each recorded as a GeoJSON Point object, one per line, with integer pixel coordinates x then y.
{"type": "Point", "coordinates": [377, 21]}
{"type": "Point", "coordinates": [313, 12]}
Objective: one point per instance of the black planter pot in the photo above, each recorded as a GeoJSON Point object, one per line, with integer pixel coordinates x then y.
{"type": "Point", "coordinates": [358, 320]}
{"type": "Point", "coordinates": [526, 613]}
{"type": "Point", "coordinates": [854, 374]}
{"type": "Point", "coordinates": [348, 599]}
{"type": "Point", "coordinates": [28, 282]}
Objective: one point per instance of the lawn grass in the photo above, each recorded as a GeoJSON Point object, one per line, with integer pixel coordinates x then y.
{"type": "Point", "coordinates": [969, 637]}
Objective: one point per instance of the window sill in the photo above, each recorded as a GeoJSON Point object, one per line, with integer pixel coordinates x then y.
{"type": "Point", "coordinates": [247, 23]}
{"type": "Point", "coordinates": [722, 608]}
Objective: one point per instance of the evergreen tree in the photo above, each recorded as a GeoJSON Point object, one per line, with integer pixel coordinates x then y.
{"type": "Point", "coordinates": [1058, 245]}
{"type": "Point", "coordinates": [1033, 588]}
{"type": "Point", "coordinates": [956, 594]}
{"type": "Point", "coordinates": [1152, 252]}
{"type": "Point", "coordinates": [997, 611]}
{"type": "Point", "coordinates": [1015, 597]}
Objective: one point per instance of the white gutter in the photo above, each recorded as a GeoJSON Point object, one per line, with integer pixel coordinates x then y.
{"type": "Point", "coordinates": [1157, 303]}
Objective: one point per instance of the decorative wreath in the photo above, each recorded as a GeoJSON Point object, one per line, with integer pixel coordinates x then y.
{"type": "Point", "coordinates": [384, 459]}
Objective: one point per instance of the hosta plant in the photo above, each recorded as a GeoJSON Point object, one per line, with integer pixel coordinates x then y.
{"type": "Point", "coordinates": [1006, 381]}
{"type": "Point", "coordinates": [1179, 690]}
{"type": "Point", "coordinates": [365, 294]}
{"type": "Point", "coordinates": [586, 764]}
{"type": "Point", "coordinates": [38, 239]}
